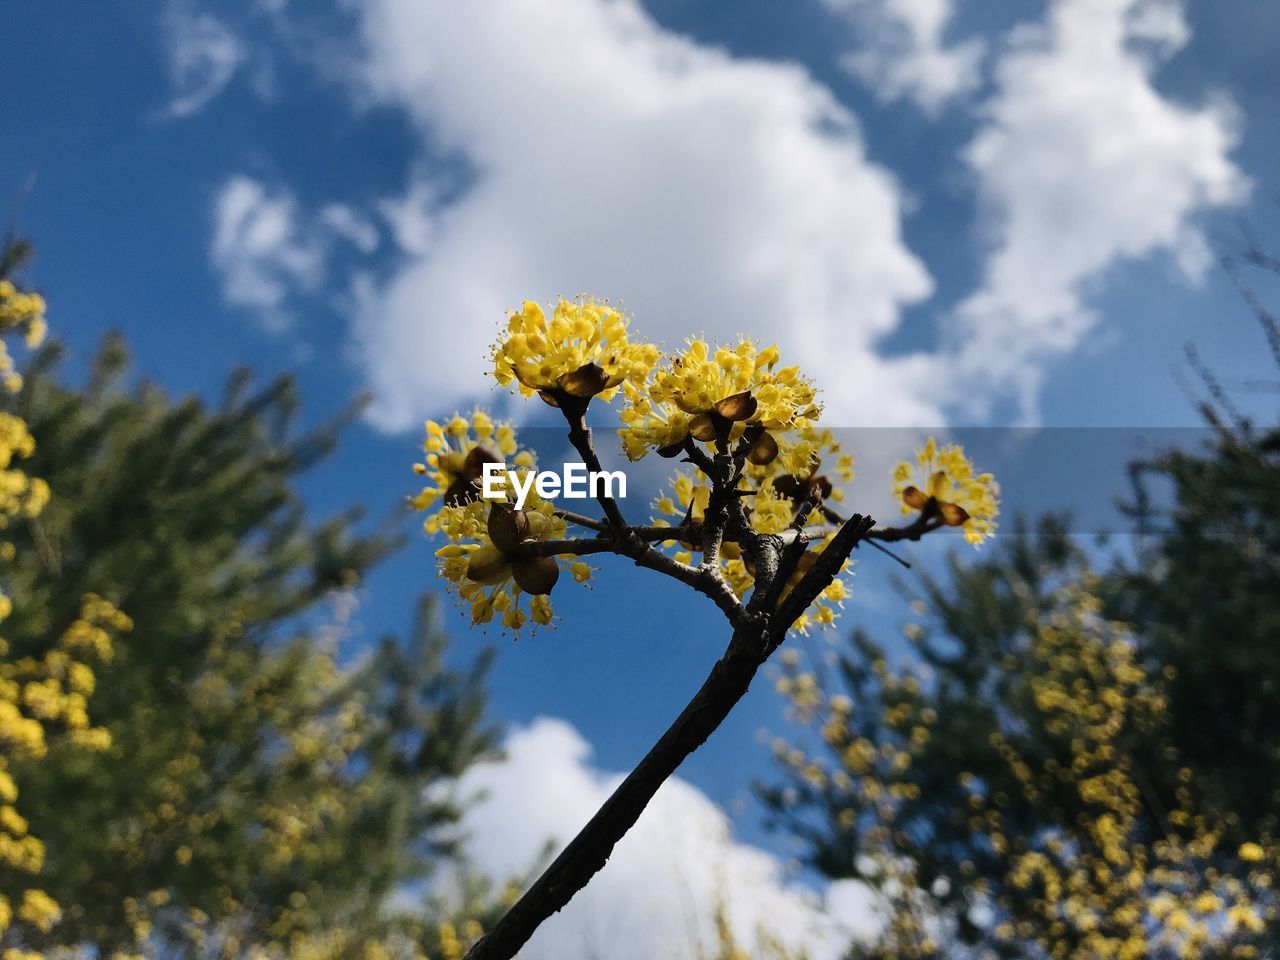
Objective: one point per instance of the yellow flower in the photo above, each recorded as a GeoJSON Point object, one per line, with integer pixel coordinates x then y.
{"type": "Point", "coordinates": [803, 454]}
{"type": "Point", "coordinates": [950, 488]}
{"type": "Point", "coordinates": [768, 512]}
{"type": "Point", "coordinates": [39, 910]}
{"type": "Point", "coordinates": [583, 351]}
{"type": "Point", "coordinates": [809, 462]}
{"type": "Point", "coordinates": [717, 396]}
{"type": "Point", "coordinates": [455, 455]}
{"type": "Point", "coordinates": [1252, 852]}
{"type": "Point", "coordinates": [487, 563]}
{"type": "Point", "coordinates": [22, 311]}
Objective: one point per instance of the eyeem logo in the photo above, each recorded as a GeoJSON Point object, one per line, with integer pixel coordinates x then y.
{"type": "Point", "coordinates": [575, 482]}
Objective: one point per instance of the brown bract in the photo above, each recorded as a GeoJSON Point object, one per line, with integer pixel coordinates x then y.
{"type": "Point", "coordinates": [466, 485]}
{"type": "Point", "coordinates": [509, 532]}
{"type": "Point", "coordinates": [951, 514]}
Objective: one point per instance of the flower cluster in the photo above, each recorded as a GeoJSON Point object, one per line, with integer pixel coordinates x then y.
{"type": "Point", "coordinates": [487, 559]}
{"type": "Point", "coordinates": [22, 311]}
{"type": "Point", "coordinates": [1093, 880]}
{"type": "Point", "coordinates": [583, 351]}
{"type": "Point", "coordinates": [455, 455]}
{"type": "Point", "coordinates": [773, 493]}
{"type": "Point", "coordinates": [491, 565]}
{"type": "Point", "coordinates": [21, 495]}
{"type": "Point", "coordinates": [717, 396]}
{"type": "Point", "coordinates": [44, 696]}
{"type": "Point", "coordinates": [810, 462]}
{"type": "Point", "coordinates": [768, 474]}
{"type": "Point", "coordinates": [943, 484]}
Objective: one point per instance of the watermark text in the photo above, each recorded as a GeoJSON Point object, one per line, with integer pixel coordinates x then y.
{"type": "Point", "coordinates": [574, 482]}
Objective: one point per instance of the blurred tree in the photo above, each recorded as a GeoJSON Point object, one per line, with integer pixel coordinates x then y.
{"type": "Point", "coordinates": [1204, 595]}
{"type": "Point", "coordinates": [261, 795]}
{"type": "Point", "coordinates": [936, 777]}
{"type": "Point", "coordinates": [43, 692]}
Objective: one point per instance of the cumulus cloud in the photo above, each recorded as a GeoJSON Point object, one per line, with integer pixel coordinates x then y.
{"type": "Point", "coordinates": [202, 55]}
{"type": "Point", "coordinates": [1083, 164]}
{"type": "Point", "coordinates": [608, 155]}
{"type": "Point", "coordinates": [590, 150]}
{"type": "Point", "coordinates": [902, 51]}
{"type": "Point", "coordinates": [657, 896]}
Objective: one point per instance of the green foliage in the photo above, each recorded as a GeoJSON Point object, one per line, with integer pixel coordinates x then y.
{"type": "Point", "coordinates": [260, 789]}
{"type": "Point", "coordinates": [1199, 594]}
{"type": "Point", "coordinates": [977, 648]}
{"type": "Point", "coordinates": [1205, 597]}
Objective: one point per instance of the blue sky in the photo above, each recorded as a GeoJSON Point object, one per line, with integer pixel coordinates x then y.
{"type": "Point", "coordinates": [950, 212]}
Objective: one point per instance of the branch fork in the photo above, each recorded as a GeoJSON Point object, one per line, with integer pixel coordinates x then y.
{"type": "Point", "coordinates": [759, 627]}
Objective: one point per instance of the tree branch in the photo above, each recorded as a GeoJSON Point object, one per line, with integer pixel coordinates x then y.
{"type": "Point", "coordinates": [582, 521]}
{"type": "Point", "coordinates": [588, 852]}
{"type": "Point", "coordinates": [754, 638]}
{"type": "Point", "coordinates": [825, 569]}
{"type": "Point", "coordinates": [926, 522]}
{"type": "Point", "coordinates": [580, 436]}
{"type": "Point", "coordinates": [702, 578]}
{"type": "Point", "coordinates": [793, 550]}
{"type": "Point", "coordinates": [563, 548]}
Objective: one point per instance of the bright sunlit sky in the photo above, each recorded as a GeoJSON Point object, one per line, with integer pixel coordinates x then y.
{"type": "Point", "coordinates": [951, 213]}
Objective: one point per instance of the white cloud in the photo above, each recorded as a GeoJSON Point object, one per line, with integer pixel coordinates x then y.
{"type": "Point", "coordinates": [657, 895]}
{"type": "Point", "coordinates": [597, 152]}
{"type": "Point", "coordinates": [351, 226]}
{"type": "Point", "coordinates": [1082, 165]}
{"type": "Point", "coordinates": [412, 217]}
{"type": "Point", "coordinates": [267, 250]}
{"type": "Point", "coordinates": [610, 156]}
{"type": "Point", "coordinates": [903, 53]}
{"type": "Point", "coordinates": [261, 250]}
{"type": "Point", "coordinates": [202, 57]}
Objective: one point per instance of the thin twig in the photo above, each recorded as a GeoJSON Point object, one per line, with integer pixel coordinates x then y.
{"type": "Point", "coordinates": [564, 548]}
{"type": "Point", "coordinates": [583, 521]}
{"type": "Point", "coordinates": [925, 523]}
{"type": "Point", "coordinates": [580, 437]}
{"type": "Point", "coordinates": [703, 579]}
{"type": "Point", "coordinates": [887, 552]}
